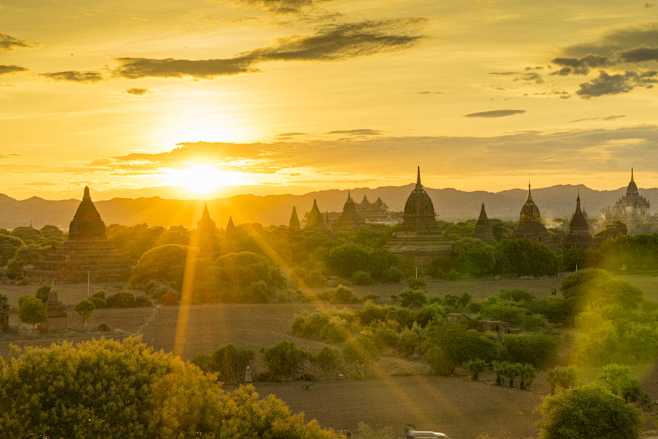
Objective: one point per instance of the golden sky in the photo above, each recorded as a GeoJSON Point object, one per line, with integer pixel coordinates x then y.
{"type": "Point", "coordinates": [273, 96]}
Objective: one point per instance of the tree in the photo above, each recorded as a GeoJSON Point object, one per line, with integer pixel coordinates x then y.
{"type": "Point", "coordinates": [8, 246]}
{"type": "Point", "coordinates": [231, 363]}
{"type": "Point", "coordinates": [153, 394]}
{"type": "Point", "coordinates": [476, 367]}
{"type": "Point", "coordinates": [43, 292]}
{"type": "Point", "coordinates": [165, 263]}
{"type": "Point", "coordinates": [588, 412]}
{"type": "Point", "coordinates": [31, 310]}
{"type": "Point", "coordinates": [561, 378]}
{"type": "Point", "coordinates": [285, 360]}
{"type": "Point", "coordinates": [84, 309]}
{"type": "Point", "coordinates": [619, 380]}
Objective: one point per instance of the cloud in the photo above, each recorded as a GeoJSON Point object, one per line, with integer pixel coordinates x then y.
{"type": "Point", "coordinates": [603, 118]}
{"type": "Point", "coordinates": [495, 113]}
{"type": "Point", "coordinates": [333, 42]}
{"type": "Point", "coordinates": [7, 42]}
{"type": "Point", "coordinates": [580, 66]}
{"type": "Point", "coordinates": [357, 132]}
{"type": "Point", "coordinates": [282, 6]}
{"type": "Point", "coordinates": [641, 54]}
{"type": "Point", "coordinates": [531, 77]}
{"type": "Point", "coordinates": [74, 76]}
{"type": "Point", "coordinates": [430, 92]}
{"type": "Point", "coordinates": [11, 69]}
{"type": "Point", "coordinates": [607, 84]}
{"type": "Point", "coordinates": [137, 91]}
{"type": "Point", "coordinates": [563, 153]}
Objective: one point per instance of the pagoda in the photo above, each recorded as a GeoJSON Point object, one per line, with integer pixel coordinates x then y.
{"type": "Point", "coordinates": [349, 217]}
{"type": "Point", "coordinates": [483, 227]}
{"type": "Point", "coordinates": [632, 209]}
{"type": "Point", "coordinates": [293, 224]}
{"type": "Point", "coordinates": [418, 236]}
{"type": "Point", "coordinates": [530, 224]}
{"type": "Point", "coordinates": [579, 233]}
{"type": "Point", "coordinates": [207, 235]}
{"type": "Point", "coordinates": [87, 254]}
{"type": "Point", "coordinates": [315, 219]}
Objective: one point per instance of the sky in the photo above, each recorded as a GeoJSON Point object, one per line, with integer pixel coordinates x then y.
{"type": "Point", "coordinates": [203, 98]}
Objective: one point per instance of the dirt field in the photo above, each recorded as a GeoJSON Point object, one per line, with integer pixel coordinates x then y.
{"type": "Point", "coordinates": [455, 406]}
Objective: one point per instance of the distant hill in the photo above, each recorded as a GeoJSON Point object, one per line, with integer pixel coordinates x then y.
{"type": "Point", "coordinates": [452, 204]}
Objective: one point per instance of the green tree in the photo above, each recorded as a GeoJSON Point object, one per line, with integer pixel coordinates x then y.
{"type": "Point", "coordinates": [31, 310]}
{"type": "Point", "coordinates": [476, 367]}
{"type": "Point", "coordinates": [588, 412]}
{"type": "Point", "coordinates": [285, 360]}
{"type": "Point", "coordinates": [8, 246]}
{"type": "Point", "coordinates": [124, 389]}
{"type": "Point", "coordinates": [562, 378]}
{"type": "Point", "coordinates": [85, 309]}
{"type": "Point", "coordinates": [165, 263]}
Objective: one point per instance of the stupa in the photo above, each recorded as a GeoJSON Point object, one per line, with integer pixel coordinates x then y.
{"type": "Point", "coordinates": [294, 224]}
{"type": "Point", "coordinates": [530, 224]}
{"type": "Point", "coordinates": [483, 227]}
{"type": "Point", "coordinates": [579, 234]}
{"type": "Point", "coordinates": [349, 217]}
{"type": "Point", "coordinates": [207, 234]}
{"type": "Point", "coordinates": [315, 219]}
{"type": "Point", "coordinates": [86, 254]}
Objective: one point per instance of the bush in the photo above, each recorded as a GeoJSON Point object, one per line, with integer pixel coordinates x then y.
{"type": "Point", "coordinates": [341, 295]}
{"type": "Point", "coordinates": [361, 277]}
{"type": "Point", "coordinates": [619, 380]}
{"type": "Point", "coordinates": [8, 246]}
{"type": "Point", "coordinates": [359, 353]}
{"type": "Point", "coordinates": [561, 378]}
{"type": "Point", "coordinates": [588, 412]}
{"type": "Point", "coordinates": [536, 349]}
{"type": "Point", "coordinates": [31, 310]}
{"type": "Point", "coordinates": [412, 298]}
{"type": "Point", "coordinates": [476, 367]}
{"type": "Point", "coordinates": [285, 360]}
{"type": "Point", "coordinates": [230, 363]}
{"type": "Point", "coordinates": [121, 300]}
{"type": "Point", "coordinates": [440, 361]}
{"type": "Point", "coordinates": [42, 293]}
{"type": "Point", "coordinates": [124, 389]}
{"type": "Point", "coordinates": [84, 309]}
{"type": "Point", "coordinates": [328, 360]}
{"type": "Point", "coordinates": [320, 326]}
{"type": "Point", "coordinates": [99, 299]}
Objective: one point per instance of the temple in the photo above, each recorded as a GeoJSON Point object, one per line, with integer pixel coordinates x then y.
{"type": "Point", "coordinates": [294, 224]}
{"type": "Point", "coordinates": [530, 223]}
{"type": "Point", "coordinates": [315, 219]}
{"type": "Point", "coordinates": [632, 209]}
{"type": "Point", "coordinates": [483, 227]}
{"type": "Point", "coordinates": [376, 212]}
{"type": "Point", "coordinates": [579, 232]}
{"type": "Point", "coordinates": [207, 235]}
{"type": "Point", "coordinates": [86, 254]}
{"type": "Point", "coordinates": [349, 217]}
{"type": "Point", "coordinates": [418, 236]}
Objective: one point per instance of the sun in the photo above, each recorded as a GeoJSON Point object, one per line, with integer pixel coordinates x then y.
{"type": "Point", "coordinates": [200, 179]}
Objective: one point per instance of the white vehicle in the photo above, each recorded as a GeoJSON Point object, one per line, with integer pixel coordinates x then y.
{"type": "Point", "coordinates": [412, 433]}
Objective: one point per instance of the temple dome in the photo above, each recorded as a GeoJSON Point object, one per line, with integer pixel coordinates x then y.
{"type": "Point", "coordinates": [530, 224]}
{"type": "Point", "coordinates": [419, 214]}
{"type": "Point", "coordinates": [530, 212]}
{"type": "Point", "coordinates": [87, 223]}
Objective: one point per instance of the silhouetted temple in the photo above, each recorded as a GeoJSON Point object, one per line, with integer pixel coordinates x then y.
{"type": "Point", "coordinates": [376, 212]}
{"type": "Point", "coordinates": [418, 236]}
{"type": "Point", "coordinates": [86, 254]}
{"type": "Point", "coordinates": [579, 233]}
{"type": "Point", "coordinates": [349, 217]}
{"type": "Point", "coordinates": [294, 224]}
{"type": "Point", "coordinates": [632, 209]}
{"type": "Point", "coordinates": [314, 218]}
{"type": "Point", "coordinates": [530, 224]}
{"type": "Point", "coordinates": [483, 227]}
{"type": "Point", "coordinates": [207, 235]}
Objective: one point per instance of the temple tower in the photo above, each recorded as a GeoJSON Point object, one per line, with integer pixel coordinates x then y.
{"type": "Point", "coordinates": [349, 217]}
{"type": "Point", "coordinates": [483, 227]}
{"type": "Point", "coordinates": [315, 219]}
{"type": "Point", "coordinates": [294, 224]}
{"type": "Point", "coordinates": [207, 234]}
{"type": "Point", "coordinates": [579, 234]}
{"type": "Point", "coordinates": [87, 223]}
{"type": "Point", "coordinates": [419, 215]}
{"type": "Point", "coordinates": [530, 223]}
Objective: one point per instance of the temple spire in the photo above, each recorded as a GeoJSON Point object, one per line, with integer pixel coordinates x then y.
{"type": "Point", "coordinates": [418, 183]}
{"type": "Point", "coordinates": [86, 195]}
{"type": "Point", "coordinates": [529, 191]}
{"type": "Point", "coordinates": [632, 176]}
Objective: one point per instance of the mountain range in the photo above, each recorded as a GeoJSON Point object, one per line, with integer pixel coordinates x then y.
{"type": "Point", "coordinates": [451, 204]}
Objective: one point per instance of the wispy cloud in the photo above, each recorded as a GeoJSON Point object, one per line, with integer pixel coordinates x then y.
{"type": "Point", "coordinates": [357, 132]}
{"type": "Point", "coordinates": [495, 113]}
{"type": "Point", "coordinates": [283, 6]}
{"type": "Point", "coordinates": [137, 91]}
{"type": "Point", "coordinates": [330, 43]}
{"type": "Point", "coordinates": [7, 42]}
{"type": "Point", "coordinates": [11, 69]}
{"type": "Point", "coordinates": [74, 76]}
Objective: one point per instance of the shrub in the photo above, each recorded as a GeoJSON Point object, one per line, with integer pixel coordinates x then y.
{"type": "Point", "coordinates": [8, 246]}
{"type": "Point", "coordinates": [359, 353]}
{"type": "Point", "coordinates": [121, 300]}
{"type": "Point", "coordinates": [99, 299]}
{"type": "Point", "coordinates": [440, 361]}
{"type": "Point", "coordinates": [124, 389]}
{"type": "Point", "coordinates": [328, 360]}
{"type": "Point", "coordinates": [532, 348]}
{"type": "Point", "coordinates": [561, 378]}
{"type": "Point", "coordinates": [285, 360]}
{"type": "Point", "coordinates": [619, 380]}
{"type": "Point", "coordinates": [475, 367]}
{"type": "Point", "coordinates": [412, 298]}
{"type": "Point", "coordinates": [340, 295]}
{"type": "Point", "coordinates": [361, 277]}
{"type": "Point", "coordinates": [320, 326]}
{"type": "Point", "coordinates": [230, 363]}
{"type": "Point", "coordinates": [588, 412]}
{"type": "Point", "coordinates": [527, 374]}
{"type": "Point", "coordinates": [409, 342]}
{"type": "Point", "coordinates": [84, 309]}
{"type": "Point", "coordinates": [31, 310]}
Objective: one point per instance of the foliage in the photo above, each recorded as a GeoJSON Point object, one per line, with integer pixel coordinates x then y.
{"type": "Point", "coordinates": [619, 380]}
{"type": "Point", "coordinates": [364, 431]}
{"type": "Point", "coordinates": [588, 412]}
{"type": "Point", "coordinates": [562, 378]}
{"type": "Point", "coordinates": [533, 348]}
{"type": "Point", "coordinates": [411, 298]}
{"type": "Point", "coordinates": [124, 389]}
{"type": "Point", "coordinates": [164, 263]}
{"type": "Point", "coordinates": [230, 363]}
{"type": "Point", "coordinates": [440, 361]}
{"type": "Point", "coordinates": [361, 277]}
{"type": "Point", "coordinates": [340, 295]}
{"type": "Point", "coordinates": [526, 258]}
{"type": "Point", "coordinates": [329, 360]}
{"type": "Point", "coordinates": [474, 257]}
{"type": "Point", "coordinates": [125, 299]}
{"type": "Point", "coordinates": [359, 353]}
{"type": "Point", "coordinates": [84, 309]}
{"type": "Point", "coordinates": [237, 273]}
{"type": "Point", "coordinates": [31, 310]}
{"type": "Point", "coordinates": [462, 345]}
{"type": "Point", "coordinates": [321, 326]}
{"type": "Point", "coordinates": [8, 246]}
{"type": "Point", "coordinates": [475, 367]}
{"type": "Point", "coordinates": [43, 292]}
{"type": "Point", "coordinates": [285, 360]}
{"type": "Point", "coordinates": [348, 258]}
